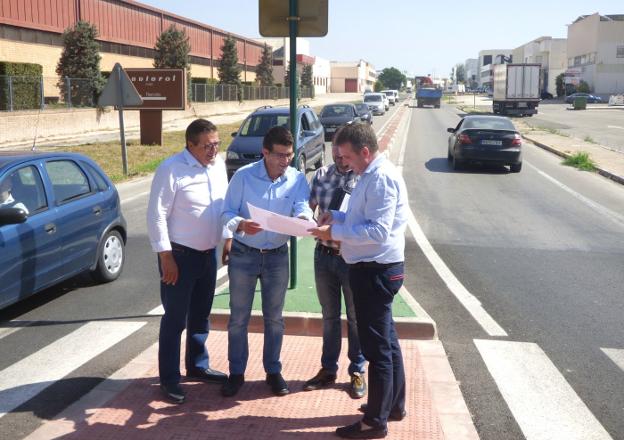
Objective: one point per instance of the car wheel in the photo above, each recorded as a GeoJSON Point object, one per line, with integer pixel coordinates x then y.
{"type": "Point", "coordinates": [449, 156]}
{"type": "Point", "coordinates": [302, 164]}
{"type": "Point", "coordinates": [319, 163]}
{"type": "Point", "coordinates": [515, 167]}
{"type": "Point", "coordinates": [111, 258]}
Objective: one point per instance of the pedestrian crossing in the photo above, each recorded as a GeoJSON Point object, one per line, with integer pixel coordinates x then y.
{"type": "Point", "coordinates": [541, 400]}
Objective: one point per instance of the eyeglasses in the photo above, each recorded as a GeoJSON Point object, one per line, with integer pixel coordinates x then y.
{"type": "Point", "coordinates": [212, 145]}
{"type": "Point", "coordinates": [287, 156]}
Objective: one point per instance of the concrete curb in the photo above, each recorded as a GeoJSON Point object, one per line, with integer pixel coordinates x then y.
{"type": "Point", "coordinates": [609, 175]}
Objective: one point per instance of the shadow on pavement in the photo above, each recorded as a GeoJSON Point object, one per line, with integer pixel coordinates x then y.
{"type": "Point", "coordinates": [442, 165]}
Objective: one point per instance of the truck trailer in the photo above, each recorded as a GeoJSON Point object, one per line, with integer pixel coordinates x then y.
{"type": "Point", "coordinates": [516, 89]}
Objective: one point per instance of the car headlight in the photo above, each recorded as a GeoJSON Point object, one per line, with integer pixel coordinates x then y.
{"type": "Point", "coordinates": [232, 155]}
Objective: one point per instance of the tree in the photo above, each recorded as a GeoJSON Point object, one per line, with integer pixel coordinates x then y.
{"type": "Point", "coordinates": [583, 87]}
{"type": "Point", "coordinates": [392, 78]}
{"type": "Point", "coordinates": [264, 71]}
{"type": "Point", "coordinates": [560, 84]}
{"type": "Point", "coordinates": [460, 73]}
{"type": "Point", "coordinates": [379, 86]}
{"type": "Point", "coordinates": [79, 66]}
{"type": "Point", "coordinates": [229, 70]}
{"type": "Point", "coordinates": [172, 52]}
{"type": "Point", "coordinates": [307, 78]}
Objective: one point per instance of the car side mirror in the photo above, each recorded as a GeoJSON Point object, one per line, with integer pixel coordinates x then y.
{"type": "Point", "coordinates": [234, 133]}
{"type": "Point", "coordinates": [450, 130]}
{"type": "Point", "coordinates": [12, 216]}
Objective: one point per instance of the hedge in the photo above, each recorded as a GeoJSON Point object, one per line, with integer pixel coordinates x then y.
{"type": "Point", "coordinates": [25, 84]}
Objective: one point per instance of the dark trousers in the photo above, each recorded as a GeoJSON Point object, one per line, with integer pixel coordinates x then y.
{"type": "Point", "coordinates": [187, 305]}
{"type": "Point", "coordinates": [374, 286]}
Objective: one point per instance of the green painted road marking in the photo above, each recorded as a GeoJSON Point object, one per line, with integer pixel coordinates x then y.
{"type": "Point", "coordinates": [303, 298]}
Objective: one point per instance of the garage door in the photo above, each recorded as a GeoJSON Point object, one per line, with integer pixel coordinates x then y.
{"type": "Point", "coordinates": [351, 85]}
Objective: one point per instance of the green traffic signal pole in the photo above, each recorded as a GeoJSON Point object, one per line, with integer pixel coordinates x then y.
{"type": "Point", "coordinates": [293, 24]}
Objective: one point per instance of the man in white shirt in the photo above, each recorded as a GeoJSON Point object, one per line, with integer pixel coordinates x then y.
{"type": "Point", "coordinates": [184, 228]}
{"type": "Point", "coordinates": [6, 197]}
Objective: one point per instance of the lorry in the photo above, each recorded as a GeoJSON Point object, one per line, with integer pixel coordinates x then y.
{"type": "Point", "coordinates": [428, 94]}
{"type": "Point", "coordinates": [516, 89]}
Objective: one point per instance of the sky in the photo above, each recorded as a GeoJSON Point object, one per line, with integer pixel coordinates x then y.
{"type": "Point", "coordinates": [419, 37]}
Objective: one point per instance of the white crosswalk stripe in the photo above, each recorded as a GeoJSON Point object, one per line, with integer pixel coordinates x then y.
{"type": "Point", "coordinates": [543, 403]}
{"type": "Point", "coordinates": [616, 355]}
{"type": "Point", "coordinates": [25, 379]}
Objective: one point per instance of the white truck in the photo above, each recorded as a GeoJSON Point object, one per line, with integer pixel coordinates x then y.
{"type": "Point", "coordinates": [516, 89]}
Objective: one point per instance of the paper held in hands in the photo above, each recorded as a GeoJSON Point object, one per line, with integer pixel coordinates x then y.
{"type": "Point", "coordinates": [281, 224]}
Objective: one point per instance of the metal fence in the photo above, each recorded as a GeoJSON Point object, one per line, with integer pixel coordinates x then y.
{"type": "Point", "coordinates": [33, 93]}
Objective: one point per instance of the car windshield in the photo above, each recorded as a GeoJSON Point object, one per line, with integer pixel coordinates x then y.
{"type": "Point", "coordinates": [372, 98]}
{"type": "Point", "coordinates": [361, 107]}
{"type": "Point", "coordinates": [335, 110]}
{"type": "Point", "coordinates": [489, 123]}
{"type": "Point", "coordinates": [259, 125]}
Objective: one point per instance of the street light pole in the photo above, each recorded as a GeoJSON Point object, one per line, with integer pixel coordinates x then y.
{"type": "Point", "coordinates": [293, 23]}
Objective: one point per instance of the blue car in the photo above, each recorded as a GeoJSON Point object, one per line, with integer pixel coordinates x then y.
{"type": "Point", "coordinates": [246, 147]}
{"type": "Point", "coordinates": [60, 215]}
{"type": "Point", "coordinates": [591, 99]}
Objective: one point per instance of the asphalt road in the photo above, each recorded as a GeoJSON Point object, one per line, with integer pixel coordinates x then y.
{"type": "Point", "coordinates": [545, 263]}
{"type": "Point", "coordinates": [53, 320]}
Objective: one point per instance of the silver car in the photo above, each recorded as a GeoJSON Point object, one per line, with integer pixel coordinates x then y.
{"type": "Point", "coordinates": [376, 103]}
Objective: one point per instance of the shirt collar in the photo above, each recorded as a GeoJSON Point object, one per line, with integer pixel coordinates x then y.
{"type": "Point", "coordinates": [190, 159]}
{"type": "Point", "coordinates": [336, 171]}
{"type": "Point", "coordinates": [262, 172]}
{"type": "Point", "coordinates": [376, 163]}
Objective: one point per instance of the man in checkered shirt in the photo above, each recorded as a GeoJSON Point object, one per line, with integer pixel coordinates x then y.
{"type": "Point", "coordinates": [329, 187]}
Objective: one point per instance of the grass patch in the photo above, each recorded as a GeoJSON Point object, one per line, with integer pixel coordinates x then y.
{"type": "Point", "coordinates": [552, 131]}
{"type": "Point", "coordinates": [142, 159]}
{"type": "Point", "coordinates": [580, 160]}
{"type": "Point", "coordinates": [590, 140]}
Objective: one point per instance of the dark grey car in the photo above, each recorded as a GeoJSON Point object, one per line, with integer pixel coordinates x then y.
{"type": "Point", "coordinates": [334, 116]}
{"type": "Point", "coordinates": [364, 112]}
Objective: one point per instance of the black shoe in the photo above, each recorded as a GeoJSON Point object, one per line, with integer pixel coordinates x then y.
{"type": "Point", "coordinates": [395, 415]}
{"type": "Point", "coordinates": [207, 375]}
{"type": "Point", "coordinates": [358, 386]}
{"type": "Point", "coordinates": [278, 384]}
{"type": "Point", "coordinates": [232, 385]}
{"type": "Point", "coordinates": [323, 377]}
{"type": "Point", "coordinates": [358, 431]}
{"type": "Point", "coordinates": [173, 393]}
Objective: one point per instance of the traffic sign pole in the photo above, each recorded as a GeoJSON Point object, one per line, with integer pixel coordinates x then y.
{"type": "Point", "coordinates": [293, 23]}
{"type": "Point", "coordinates": [122, 131]}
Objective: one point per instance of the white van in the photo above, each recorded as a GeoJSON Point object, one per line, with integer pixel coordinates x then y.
{"type": "Point", "coordinates": [376, 102]}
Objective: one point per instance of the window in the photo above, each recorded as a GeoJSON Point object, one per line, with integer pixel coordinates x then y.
{"type": "Point", "coordinates": [25, 189]}
{"type": "Point", "coordinates": [619, 52]}
{"type": "Point", "coordinates": [258, 125]}
{"type": "Point", "coordinates": [68, 180]}
{"type": "Point", "coordinates": [487, 59]}
{"type": "Point", "coordinates": [305, 124]}
{"type": "Point", "coordinates": [577, 61]}
{"type": "Point", "coordinates": [99, 180]}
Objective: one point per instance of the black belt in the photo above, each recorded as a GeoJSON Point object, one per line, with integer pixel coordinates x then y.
{"type": "Point", "coordinates": [181, 247]}
{"type": "Point", "coordinates": [373, 265]}
{"type": "Point", "coordinates": [328, 250]}
{"type": "Point", "coordinates": [262, 251]}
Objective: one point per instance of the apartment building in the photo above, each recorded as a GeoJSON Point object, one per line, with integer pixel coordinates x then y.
{"type": "Point", "coordinates": [550, 53]}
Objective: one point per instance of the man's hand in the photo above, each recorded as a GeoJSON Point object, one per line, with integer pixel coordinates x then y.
{"type": "Point", "coordinates": [168, 267]}
{"type": "Point", "coordinates": [322, 232]}
{"type": "Point", "coordinates": [225, 255]}
{"type": "Point", "coordinates": [326, 218]}
{"type": "Point", "coordinates": [249, 227]}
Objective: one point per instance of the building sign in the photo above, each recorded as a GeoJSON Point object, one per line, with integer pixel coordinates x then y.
{"type": "Point", "coordinates": [573, 76]}
{"type": "Point", "coordinates": [160, 89]}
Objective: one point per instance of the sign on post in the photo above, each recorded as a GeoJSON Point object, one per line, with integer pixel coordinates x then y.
{"type": "Point", "coordinates": [311, 18]}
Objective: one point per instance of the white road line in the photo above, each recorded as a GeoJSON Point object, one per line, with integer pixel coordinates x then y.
{"type": "Point", "coordinates": [543, 403]}
{"type": "Point", "coordinates": [468, 300]}
{"type": "Point", "coordinates": [25, 379]}
{"type": "Point", "coordinates": [606, 212]}
{"type": "Point", "coordinates": [13, 326]}
{"type": "Point", "coordinates": [615, 126]}
{"type": "Point", "coordinates": [616, 355]}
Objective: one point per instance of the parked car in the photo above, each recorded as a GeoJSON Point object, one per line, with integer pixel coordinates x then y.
{"type": "Point", "coordinates": [386, 101]}
{"type": "Point", "coordinates": [364, 112]}
{"type": "Point", "coordinates": [246, 147]}
{"type": "Point", "coordinates": [390, 95]}
{"type": "Point", "coordinates": [376, 103]}
{"type": "Point", "coordinates": [60, 215]}
{"type": "Point", "coordinates": [591, 99]}
{"type": "Point", "coordinates": [485, 139]}
{"type": "Point", "coordinates": [334, 116]}
{"type": "Point", "coordinates": [396, 95]}
{"type": "Point", "coordinates": [546, 95]}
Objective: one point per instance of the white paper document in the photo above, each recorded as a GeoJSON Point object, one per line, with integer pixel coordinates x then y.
{"type": "Point", "coordinates": [270, 221]}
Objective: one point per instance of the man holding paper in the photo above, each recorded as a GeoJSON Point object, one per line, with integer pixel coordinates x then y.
{"type": "Point", "coordinates": [270, 184]}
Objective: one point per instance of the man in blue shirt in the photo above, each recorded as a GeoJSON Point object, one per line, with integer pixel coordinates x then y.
{"type": "Point", "coordinates": [255, 254]}
{"type": "Point", "coordinates": [372, 236]}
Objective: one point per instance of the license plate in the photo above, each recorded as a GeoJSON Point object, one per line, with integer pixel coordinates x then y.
{"type": "Point", "coordinates": [491, 142]}
{"type": "Point", "coordinates": [330, 129]}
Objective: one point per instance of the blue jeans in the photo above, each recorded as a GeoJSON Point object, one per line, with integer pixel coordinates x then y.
{"type": "Point", "coordinates": [374, 286]}
{"type": "Point", "coordinates": [331, 275]}
{"type": "Point", "coordinates": [187, 304]}
{"type": "Point", "coordinates": [246, 266]}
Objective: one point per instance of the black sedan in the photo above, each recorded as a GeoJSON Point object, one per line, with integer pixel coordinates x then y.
{"type": "Point", "coordinates": [364, 112]}
{"type": "Point", "coordinates": [485, 139]}
{"type": "Point", "coordinates": [334, 116]}
{"type": "Point", "coordinates": [591, 99]}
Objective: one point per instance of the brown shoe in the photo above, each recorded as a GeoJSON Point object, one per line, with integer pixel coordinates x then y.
{"type": "Point", "coordinates": [323, 378]}
{"type": "Point", "coordinates": [358, 386]}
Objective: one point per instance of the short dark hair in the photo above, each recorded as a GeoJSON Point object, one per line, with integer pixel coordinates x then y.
{"type": "Point", "coordinates": [358, 135]}
{"type": "Point", "coordinates": [197, 127]}
{"type": "Point", "coordinates": [277, 136]}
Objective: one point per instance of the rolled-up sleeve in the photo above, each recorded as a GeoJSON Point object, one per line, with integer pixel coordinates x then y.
{"type": "Point", "coordinates": [162, 196]}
